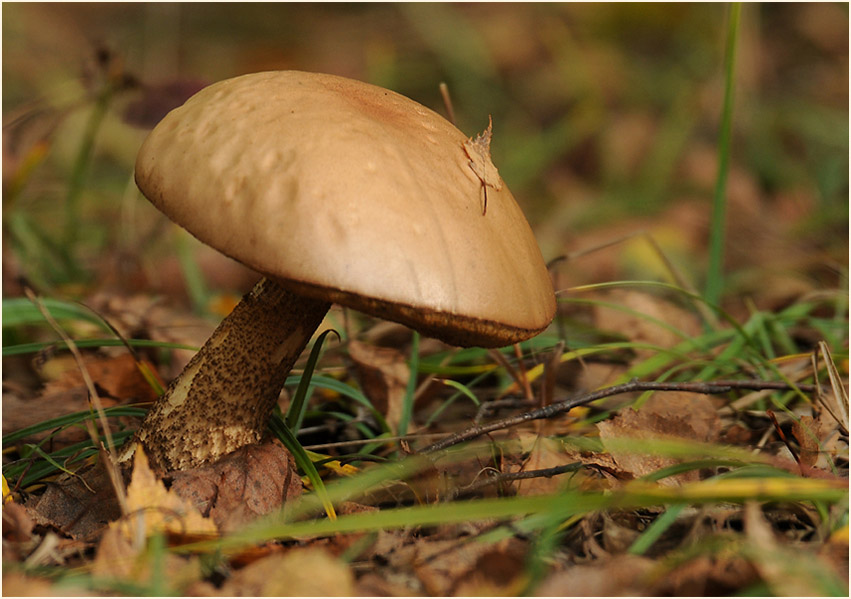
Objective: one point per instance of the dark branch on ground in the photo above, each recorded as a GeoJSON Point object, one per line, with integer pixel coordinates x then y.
{"type": "Point", "coordinates": [706, 388]}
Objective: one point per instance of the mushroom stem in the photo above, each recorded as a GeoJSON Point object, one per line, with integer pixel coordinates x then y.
{"type": "Point", "coordinates": [223, 398]}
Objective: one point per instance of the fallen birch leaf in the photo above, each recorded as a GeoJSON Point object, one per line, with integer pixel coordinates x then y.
{"type": "Point", "coordinates": [153, 509]}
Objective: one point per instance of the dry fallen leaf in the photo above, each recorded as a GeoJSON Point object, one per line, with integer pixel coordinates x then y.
{"type": "Point", "coordinates": [783, 568]}
{"type": "Point", "coordinates": [544, 453]}
{"type": "Point", "coordinates": [251, 482]}
{"type": "Point", "coordinates": [685, 416]}
{"type": "Point", "coordinates": [705, 576]}
{"type": "Point", "coordinates": [499, 571]}
{"type": "Point", "coordinates": [805, 432]}
{"type": "Point", "coordinates": [307, 572]}
{"type": "Point", "coordinates": [120, 558]}
{"type": "Point", "coordinates": [117, 378]}
{"type": "Point", "coordinates": [622, 575]}
{"type": "Point", "coordinates": [444, 565]}
{"type": "Point", "coordinates": [479, 151]}
{"type": "Point", "coordinates": [384, 375]}
{"type": "Point", "coordinates": [152, 508]}
{"type": "Point", "coordinates": [18, 538]}
{"type": "Point", "coordinates": [79, 506]}
{"type": "Point", "coordinates": [18, 584]}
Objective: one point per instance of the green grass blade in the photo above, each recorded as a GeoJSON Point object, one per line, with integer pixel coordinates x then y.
{"type": "Point", "coordinates": [20, 311]}
{"type": "Point", "coordinates": [282, 432]}
{"type": "Point", "coordinates": [31, 348]}
{"type": "Point", "coordinates": [26, 471]}
{"type": "Point", "coordinates": [463, 389]}
{"type": "Point", "coordinates": [69, 419]}
{"type": "Point", "coordinates": [656, 529]}
{"type": "Point", "coordinates": [408, 403]}
{"type": "Point", "coordinates": [80, 168]}
{"type": "Point", "coordinates": [295, 412]}
{"type": "Point", "coordinates": [551, 507]}
{"type": "Point", "coordinates": [345, 390]}
{"type": "Point", "coordinates": [714, 277]}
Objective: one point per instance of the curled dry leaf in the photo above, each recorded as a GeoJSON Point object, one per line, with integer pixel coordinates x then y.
{"type": "Point", "coordinates": [806, 432]}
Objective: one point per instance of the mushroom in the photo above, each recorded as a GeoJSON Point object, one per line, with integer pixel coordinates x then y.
{"type": "Point", "coordinates": [336, 191]}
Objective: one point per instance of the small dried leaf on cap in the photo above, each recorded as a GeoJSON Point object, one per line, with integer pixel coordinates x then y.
{"type": "Point", "coordinates": [479, 151]}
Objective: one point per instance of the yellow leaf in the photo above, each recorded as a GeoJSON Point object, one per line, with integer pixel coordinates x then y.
{"type": "Point", "coordinates": [152, 508]}
{"type": "Point", "coordinates": [7, 492]}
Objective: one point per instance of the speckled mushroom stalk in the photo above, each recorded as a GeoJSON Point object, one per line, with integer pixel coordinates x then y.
{"type": "Point", "coordinates": [223, 398]}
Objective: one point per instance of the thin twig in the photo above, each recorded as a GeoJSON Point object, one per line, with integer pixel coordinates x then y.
{"type": "Point", "coordinates": [521, 370]}
{"type": "Point", "coordinates": [447, 101]}
{"type": "Point", "coordinates": [513, 372]}
{"type": "Point", "coordinates": [525, 475]}
{"type": "Point", "coordinates": [499, 404]}
{"type": "Point", "coordinates": [370, 441]}
{"type": "Point", "coordinates": [709, 388]}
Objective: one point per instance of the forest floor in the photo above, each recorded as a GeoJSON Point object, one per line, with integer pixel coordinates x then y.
{"type": "Point", "coordinates": [652, 441]}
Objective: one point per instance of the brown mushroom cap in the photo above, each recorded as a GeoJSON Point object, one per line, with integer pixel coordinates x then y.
{"type": "Point", "coordinates": [352, 193]}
